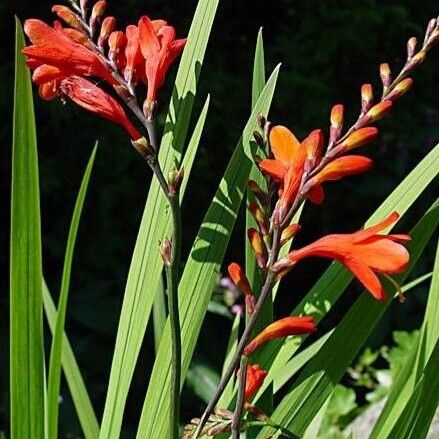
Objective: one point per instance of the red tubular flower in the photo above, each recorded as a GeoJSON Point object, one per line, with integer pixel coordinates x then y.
{"type": "Point", "coordinates": [254, 379]}
{"type": "Point", "coordinates": [282, 328]}
{"type": "Point", "coordinates": [133, 54]}
{"type": "Point", "coordinates": [92, 98]}
{"type": "Point", "coordinates": [335, 170]}
{"type": "Point", "coordinates": [363, 253]}
{"type": "Point", "coordinates": [287, 166]}
{"type": "Point", "coordinates": [53, 47]}
{"type": "Point", "coordinates": [239, 278]}
{"type": "Point", "coordinates": [358, 138]}
{"type": "Point", "coordinates": [159, 48]}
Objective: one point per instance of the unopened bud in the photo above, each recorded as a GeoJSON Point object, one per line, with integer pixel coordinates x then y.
{"type": "Point", "coordinates": [256, 412]}
{"type": "Point", "coordinates": [430, 28]}
{"type": "Point", "coordinates": [337, 113]}
{"type": "Point", "coordinates": [224, 413]}
{"type": "Point", "coordinates": [401, 88]}
{"type": "Point", "coordinates": [262, 121]}
{"type": "Point", "coordinates": [258, 139]}
{"type": "Point", "coordinates": [116, 43]}
{"type": "Point", "coordinates": [259, 217]}
{"type": "Point", "coordinates": [289, 232]}
{"type": "Point", "coordinates": [218, 429]}
{"type": "Point", "coordinates": [358, 138]}
{"type": "Point", "coordinates": [239, 278]}
{"type": "Point", "coordinates": [313, 145]}
{"type": "Point", "coordinates": [77, 37]}
{"type": "Point", "coordinates": [96, 14]}
{"type": "Point", "coordinates": [378, 111]}
{"type": "Point", "coordinates": [411, 47]}
{"type": "Point", "coordinates": [366, 97]}
{"type": "Point", "coordinates": [385, 75]}
{"type": "Point", "coordinates": [67, 15]}
{"type": "Point", "coordinates": [416, 60]}
{"type": "Point", "coordinates": [166, 251]}
{"type": "Point", "coordinates": [143, 147]}
{"type": "Point", "coordinates": [257, 246]}
{"type": "Point", "coordinates": [148, 109]}
{"type": "Point", "coordinates": [175, 179]}
{"type": "Point", "coordinates": [257, 191]}
{"type": "Point", "coordinates": [108, 26]}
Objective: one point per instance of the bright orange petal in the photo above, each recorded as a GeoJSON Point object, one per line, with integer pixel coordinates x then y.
{"type": "Point", "coordinates": [149, 43]}
{"type": "Point", "coordinates": [284, 144]}
{"type": "Point", "coordinates": [316, 194]}
{"type": "Point", "coordinates": [273, 169]}
{"type": "Point", "coordinates": [367, 277]}
{"type": "Point", "coordinates": [369, 231]}
{"type": "Point", "coordinates": [344, 166]}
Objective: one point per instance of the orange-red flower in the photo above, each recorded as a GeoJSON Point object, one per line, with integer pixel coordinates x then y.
{"type": "Point", "coordinates": [94, 99]}
{"type": "Point", "coordinates": [363, 253]}
{"type": "Point", "coordinates": [335, 170]}
{"type": "Point", "coordinates": [254, 379]}
{"type": "Point", "coordinates": [287, 167]}
{"type": "Point", "coordinates": [159, 48]}
{"type": "Point", "coordinates": [54, 48]}
{"type": "Point", "coordinates": [282, 328]}
{"type": "Point", "coordinates": [239, 278]}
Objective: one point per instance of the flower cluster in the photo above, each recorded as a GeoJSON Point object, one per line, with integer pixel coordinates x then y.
{"type": "Point", "coordinates": [84, 48]}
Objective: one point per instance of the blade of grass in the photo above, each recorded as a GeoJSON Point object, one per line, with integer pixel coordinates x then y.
{"type": "Point", "coordinates": [201, 271]}
{"type": "Point", "coordinates": [26, 307]}
{"type": "Point", "coordinates": [54, 378]}
{"type": "Point", "coordinates": [80, 397]}
{"type": "Point", "coordinates": [335, 279]}
{"type": "Point", "coordinates": [319, 377]}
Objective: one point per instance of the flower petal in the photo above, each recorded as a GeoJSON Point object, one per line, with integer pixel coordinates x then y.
{"type": "Point", "coordinates": [284, 144]}
{"type": "Point", "coordinates": [272, 168]}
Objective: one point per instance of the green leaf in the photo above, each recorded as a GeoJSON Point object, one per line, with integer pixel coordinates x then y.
{"type": "Point", "coordinates": [405, 382]}
{"type": "Point", "coordinates": [227, 396]}
{"type": "Point", "coordinates": [201, 271]}
{"type": "Point", "coordinates": [159, 313]}
{"type": "Point", "coordinates": [319, 377]}
{"type": "Point", "coordinates": [335, 279]}
{"type": "Point", "coordinates": [146, 265]}
{"type": "Point", "coordinates": [81, 400]}
{"type": "Point", "coordinates": [54, 378]}
{"type": "Point", "coordinates": [414, 421]}
{"type": "Point", "coordinates": [26, 306]}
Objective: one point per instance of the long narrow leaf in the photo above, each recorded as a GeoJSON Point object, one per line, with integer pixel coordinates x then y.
{"type": "Point", "coordinates": [201, 272]}
{"type": "Point", "coordinates": [81, 399]}
{"type": "Point", "coordinates": [54, 378]}
{"type": "Point", "coordinates": [146, 265]}
{"type": "Point", "coordinates": [26, 305]}
{"type": "Point", "coordinates": [319, 377]}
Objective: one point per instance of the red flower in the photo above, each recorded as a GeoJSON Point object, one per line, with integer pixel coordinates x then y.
{"type": "Point", "coordinates": [282, 328]}
{"type": "Point", "coordinates": [159, 48]}
{"type": "Point", "coordinates": [92, 98]}
{"type": "Point", "coordinates": [287, 167]}
{"type": "Point", "coordinates": [254, 380]}
{"type": "Point", "coordinates": [335, 170]}
{"type": "Point", "coordinates": [54, 48]}
{"type": "Point", "coordinates": [363, 253]}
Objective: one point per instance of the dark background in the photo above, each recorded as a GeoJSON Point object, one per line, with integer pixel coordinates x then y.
{"type": "Point", "coordinates": [328, 49]}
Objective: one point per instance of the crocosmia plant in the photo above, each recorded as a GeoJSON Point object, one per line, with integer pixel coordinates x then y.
{"type": "Point", "coordinates": [118, 72]}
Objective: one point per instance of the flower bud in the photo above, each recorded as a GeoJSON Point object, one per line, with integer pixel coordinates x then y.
{"type": "Point", "coordinates": [313, 145]}
{"type": "Point", "coordinates": [262, 121]}
{"type": "Point", "coordinates": [116, 43]}
{"type": "Point", "coordinates": [385, 75]}
{"type": "Point", "coordinates": [143, 147]}
{"type": "Point", "coordinates": [96, 14]}
{"type": "Point", "coordinates": [258, 139]}
{"type": "Point", "coordinates": [166, 251]}
{"type": "Point", "coordinates": [411, 47]}
{"type": "Point", "coordinates": [255, 376]}
{"type": "Point", "coordinates": [377, 112]}
{"type": "Point", "coordinates": [257, 191]}
{"type": "Point", "coordinates": [366, 97]}
{"type": "Point", "coordinates": [336, 123]}
{"type": "Point", "coordinates": [401, 88]}
{"type": "Point", "coordinates": [67, 15]}
{"type": "Point", "coordinates": [289, 232]}
{"type": "Point", "coordinates": [77, 37]}
{"type": "Point", "coordinates": [280, 329]}
{"type": "Point", "coordinates": [257, 246]}
{"type": "Point", "coordinates": [259, 217]}
{"type": "Point", "coordinates": [358, 138]}
{"type": "Point", "coordinates": [175, 178]}
{"type": "Point", "coordinates": [108, 26]}
{"type": "Point", "coordinates": [416, 60]}
{"type": "Point", "coordinates": [239, 278]}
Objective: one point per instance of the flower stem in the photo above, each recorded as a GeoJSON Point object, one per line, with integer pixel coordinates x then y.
{"type": "Point", "coordinates": [236, 422]}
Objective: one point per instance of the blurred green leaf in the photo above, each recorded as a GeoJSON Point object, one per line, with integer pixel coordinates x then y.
{"type": "Point", "coordinates": [202, 380]}
{"type": "Point", "coordinates": [26, 303]}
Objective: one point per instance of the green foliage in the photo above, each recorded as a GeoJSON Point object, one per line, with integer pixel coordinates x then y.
{"type": "Point", "coordinates": [26, 303]}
